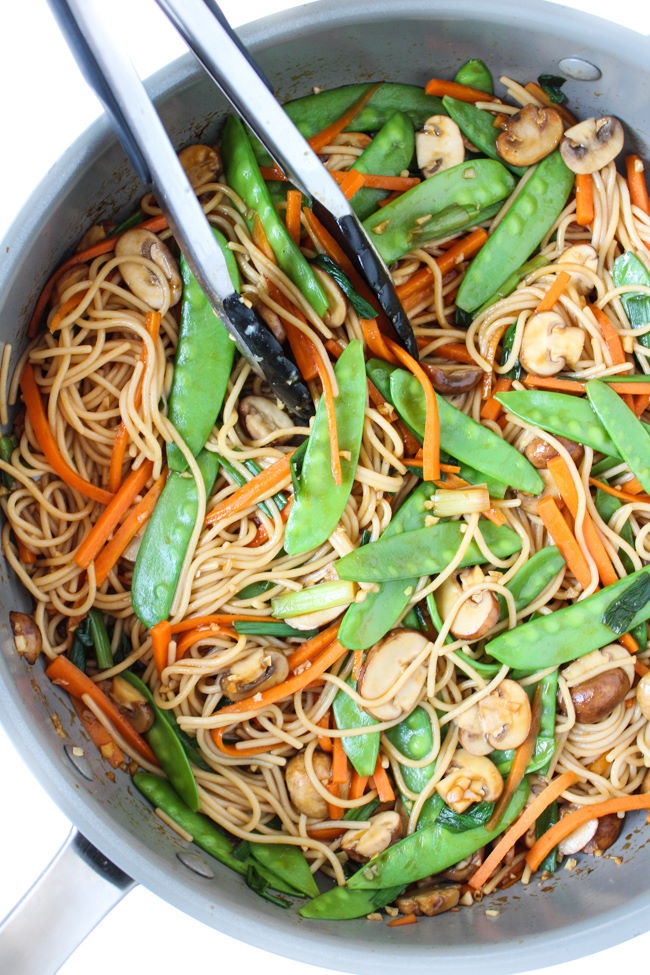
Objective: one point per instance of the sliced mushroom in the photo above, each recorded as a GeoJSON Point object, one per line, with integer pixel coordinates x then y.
{"type": "Point", "coordinates": [27, 636]}
{"type": "Point", "coordinates": [470, 779]}
{"type": "Point", "coordinates": [580, 837]}
{"type": "Point", "coordinates": [530, 135]}
{"type": "Point", "coordinates": [453, 380]}
{"type": "Point", "coordinates": [583, 254]}
{"type": "Point", "coordinates": [132, 704]}
{"type": "Point", "coordinates": [499, 720]}
{"type": "Point", "coordinates": [592, 144]}
{"type": "Point", "coordinates": [439, 145]}
{"type": "Point", "coordinates": [301, 790]}
{"type": "Point", "coordinates": [260, 418]}
{"type": "Point", "coordinates": [463, 870]}
{"type": "Point", "coordinates": [548, 344]}
{"type": "Point", "coordinates": [384, 665]}
{"type": "Point", "coordinates": [643, 696]}
{"type": "Point", "coordinates": [430, 900]}
{"type": "Point", "coordinates": [256, 672]}
{"type": "Point", "coordinates": [338, 309]}
{"type": "Point", "coordinates": [143, 281]}
{"type": "Point", "coordinates": [595, 698]}
{"type": "Point", "coordinates": [607, 832]}
{"type": "Point", "coordinates": [361, 844]}
{"type": "Point", "coordinates": [201, 163]}
{"type": "Point", "coordinates": [539, 451]}
{"type": "Point", "coordinates": [477, 614]}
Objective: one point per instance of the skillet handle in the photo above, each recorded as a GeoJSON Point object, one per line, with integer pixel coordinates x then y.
{"type": "Point", "coordinates": [74, 892]}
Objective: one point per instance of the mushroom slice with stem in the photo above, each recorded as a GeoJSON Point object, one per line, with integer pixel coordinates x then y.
{"type": "Point", "coordinates": [27, 636]}
{"type": "Point", "coordinates": [384, 665]}
{"type": "Point", "coordinates": [144, 281]}
{"type": "Point", "coordinates": [583, 254]}
{"type": "Point", "coordinates": [383, 829]}
{"type": "Point", "coordinates": [549, 345]}
{"type": "Point", "coordinates": [255, 673]}
{"type": "Point", "coordinates": [439, 145]}
{"type": "Point", "coordinates": [301, 789]}
{"type": "Point", "coordinates": [500, 720]}
{"type": "Point", "coordinates": [469, 779]}
{"type": "Point", "coordinates": [478, 614]}
{"type": "Point", "coordinates": [260, 418]}
{"type": "Point", "coordinates": [202, 164]}
{"type": "Point", "coordinates": [530, 135]}
{"type": "Point", "coordinates": [132, 704]}
{"type": "Point", "coordinates": [453, 380]}
{"type": "Point", "coordinates": [607, 832]}
{"type": "Point", "coordinates": [429, 900]}
{"type": "Point", "coordinates": [461, 872]}
{"type": "Point", "coordinates": [592, 144]}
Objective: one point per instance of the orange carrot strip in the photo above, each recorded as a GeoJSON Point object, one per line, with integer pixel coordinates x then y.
{"type": "Point", "coordinates": [389, 199]}
{"type": "Point", "coordinates": [552, 382]}
{"type": "Point", "coordinates": [63, 672]}
{"type": "Point", "coordinates": [641, 403]}
{"type": "Point", "coordinates": [552, 296]}
{"type": "Point", "coordinates": [218, 619]}
{"type": "Point", "coordinates": [334, 811]}
{"type": "Point", "coordinates": [463, 93]}
{"type": "Point", "coordinates": [339, 763]}
{"type": "Point", "coordinates": [357, 663]}
{"type": "Point", "coordinates": [260, 239]}
{"type": "Point", "coordinates": [452, 351]}
{"type": "Point", "coordinates": [324, 742]}
{"type": "Point", "coordinates": [325, 136]}
{"type": "Point", "coordinates": [292, 215]}
{"type": "Point", "coordinates": [637, 184]}
{"type": "Point", "coordinates": [259, 487]}
{"type": "Point", "coordinates": [98, 734]}
{"type": "Point", "coordinates": [112, 515]}
{"type": "Point", "coordinates": [526, 819]}
{"type": "Point", "coordinates": [492, 409]}
{"type": "Point", "coordinates": [232, 750]}
{"type": "Point", "coordinates": [304, 351]}
{"type": "Point", "coordinates": [454, 255]}
{"type": "Point", "coordinates": [47, 443]}
{"type": "Point", "coordinates": [640, 668]}
{"type": "Point", "coordinates": [26, 556]}
{"type": "Point", "coordinates": [574, 820]}
{"type": "Point", "coordinates": [629, 643]}
{"type": "Point", "coordinates": [558, 529]}
{"type": "Point", "coordinates": [431, 446]}
{"type": "Point", "coordinates": [398, 184]}
{"type": "Point", "coordinates": [358, 785]}
{"type": "Point", "coordinates": [584, 199]}
{"type": "Point", "coordinates": [617, 493]}
{"type": "Point", "coordinates": [382, 782]}
{"type": "Point", "coordinates": [139, 516]}
{"type": "Point", "coordinates": [400, 922]}
{"type": "Point", "coordinates": [73, 302]}
{"type": "Point", "coordinates": [191, 637]}
{"type": "Point", "coordinates": [523, 755]}
{"type": "Point", "coordinates": [610, 335]}
{"type": "Point", "coordinates": [351, 183]}
{"type": "Point", "coordinates": [310, 648]}
{"type": "Point", "coordinates": [632, 486]}
{"type": "Point", "coordinates": [161, 635]}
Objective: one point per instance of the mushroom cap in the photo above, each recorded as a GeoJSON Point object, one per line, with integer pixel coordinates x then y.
{"type": "Point", "coordinates": [201, 163]}
{"type": "Point", "coordinates": [583, 254]}
{"type": "Point", "coordinates": [439, 145]}
{"type": "Point", "coordinates": [592, 144]}
{"type": "Point", "coordinates": [548, 344]}
{"type": "Point", "coordinates": [258, 671]}
{"type": "Point", "coordinates": [144, 281]}
{"type": "Point", "coordinates": [477, 614]}
{"type": "Point", "coordinates": [261, 417]}
{"type": "Point", "coordinates": [384, 665]}
{"type": "Point", "coordinates": [530, 135]}
{"type": "Point", "coordinates": [499, 720]}
{"type": "Point", "coordinates": [300, 787]}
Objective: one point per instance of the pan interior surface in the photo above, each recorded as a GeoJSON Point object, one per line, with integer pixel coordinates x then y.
{"type": "Point", "coordinates": [328, 43]}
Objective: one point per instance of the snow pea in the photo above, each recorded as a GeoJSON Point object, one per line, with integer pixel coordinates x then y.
{"type": "Point", "coordinates": [478, 126]}
{"type": "Point", "coordinates": [319, 503]}
{"type": "Point", "coordinates": [423, 552]}
{"type": "Point", "coordinates": [365, 623]}
{"type": "Point", "coordinates": [388, 154]}
{"type": "Point", "coordinates": [413, 738]}
{"type": "Point", "coordinates": [204, 357]}
{"type": "Point", "coordinates": [362, 750]}
{"type": "Point", "coordinates": [243, 174]}
{"type": "Point", "coordinates": [533, 577]}
{"type": "Point", "coordinates": [287, 863]}
{"type": "Point", "coordinates": [453, 198]}
{"type": "Point", "coordinates": [627, 432]}
{"type": "Point", "coordinates": [167, 747]}
{"type": "Point", "coordinates": [566, 634]}
{"type": "Point", "coordinates": [432, 850]}
{"type": "Point", "coordinates": [164, 544]}
{"type": "Point", "coordinates": [559, 413]}
{"type": "Point", "coordinates": [520, 232]}
{"type": "Point", "coordinates": [343, 904]}
{"type": "Point", "coordinates": [463, 437]}
{"type": "Point", "coordinates": [628, 269]}
{"type": "Point", "coordinates": [475, 74]}
{"type": "Point", "coordinates": [506, 289]}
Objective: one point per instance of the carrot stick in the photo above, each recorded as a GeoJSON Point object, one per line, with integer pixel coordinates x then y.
{"type": "Point", "coordinates": [351, 183]}
{"type": "Point", "coordinates": [358, 785]}
{"type": "Point", "coordinates": [460, 251]}
{"type": "Point", "coordinates": [112, 515]}
{"type": "Point", "coordinates": [73, 302]}
{"type": "Point", "coordinates": [552, 296]}
{"type": "Point", "coordinates": [339, 763]}
{"type": "Point", "coordinates": [63, 672]}
{"type": "Point", "coordinates": [325, 136]}
{"type": "Point", "coordinates": [617, 493]}
{"type": "Point", "coordinates": [558, 529]}
{"type": "Point", "coordinates": [382, 782]}
{"type": "Point", "coordinates": [261, 240]}
{"type": "Point", "coordinates": [452, 351]}
{"type": "Point", "coordinates": [640, 668]}
{"type": "Point", "coordinates": [232, 750]}
{"type": "Point", "coordinates": [527, 818]}
{"type": "Point", "coordinates": [431, 446]}
{"type": "Point", "coordinates": [400, 922]}
{"type": "Point", "coordinates": [98, 734]}
{"type": "Point", "coordinates": [292, 215]}
{"type": "Point", "coordinates": [492, 409]}
{"type": "Point", "coordinates": [334, 811]}
{"type": "Point", "coordinates": [304, 351]}
{"type": "Point", "coordinates": [522, 757]}
{"type": "Point", "coordinates": [463, 93]}
{"type": "Point", "coordinates": [636, 183]}
{"type": "Point", "coordinates": [259, 487]}
{"type": "Point", "coordinates": [584, 199]}
{"type": "Point", "coordinates": [552, 382]}
{"type": "Point", "coordinates": [357, 663]}
{"type": "Point", "coordinates": [330, 409]}
{"type": "Point", "coordinates": [191, 637]}
{"type": "Point", "coordinates": [375, 181]}
{"type": "Point", "coordinates": [389, 199]}
{"type": "Point", "coordinates": [26, 556]}
{"type": "Point", "coordinates": [47, 443]}
{"type": "Point", "coordinates": [610, 335]}
{"type": "Point", "coordinates": [324, 742]}
{"type": "Point", "coordinates": [629, 643]}
{"type": "Point", "coordinates": [310, 648]}
{"type": "Point", "coordinates": [161, 635]}
{"type": "Point", "coordinates": [573, 820]}
{"type": "Point", "coordinates": [139, 516]}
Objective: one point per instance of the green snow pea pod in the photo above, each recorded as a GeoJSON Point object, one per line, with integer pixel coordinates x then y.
{"type": "Point", "coordinates": [167, 535]}
{"type": "Point", "coordinates": [365, 623]}
{"type": "Point", "coordinates": [319, 502]}
{"type": "Point", "coordinates": [432, 850]}
{"type": "Point", "coordinates": [566, 634]}
{"type": "Point", "coordinates": [189, 744]}
{"type": "Point", "coordinates": [388, 154]}
{"type": "Point", "coordinates": [454, 198]}
{"type": "Point", "coordinates": [287, 863]}
{"type": "Point", "coordinates": [475, 74]}
{"type": "Point", "coordinates": [478, 126]}
{"type": "Point", "coordinates": [362, 750]}
{"type": "Point", "coordinates": [343, 904]}
{"type": "Point", "coordinates": [167, 748]}
{"type": "Point", "coordinates": [204, 357]}
{"type": "Point", "coordinates": [628, 433]}
{"type": "Point", "coordinates": [423, 552]}
{"type": "Point", "coordinates": [506, 289]}
{"type": "Point", "coordinates": [533, 577]}
{"type": "Point", "coordinates": [243, 174]}
{"type": "Point", "coordinates": [628, 269]}
{"type": "Point", "coordinates": [413, 738]}
{"type": "Point", "coordinates": [559, 413]}
{"type": "Point", "coordinates": [463, 437]}
{"type": "Point", "coordinates": [520, 232]}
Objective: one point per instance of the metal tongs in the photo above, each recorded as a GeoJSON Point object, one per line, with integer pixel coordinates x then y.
{"type": "Point", "coordinates": [206, 31]}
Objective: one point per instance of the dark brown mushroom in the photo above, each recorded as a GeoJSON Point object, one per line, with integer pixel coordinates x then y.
{"type": "Point", "coordinates": [461, 872]}
{"type": "Point", "coordinates": [303, 795]}
{"type": "Point", "coordinates": [595, 699]}
{"type": "Point", "coordinates": [607, 832]}
{"type": "Point", "coordinates": [132, 704]}
{"type": "Point", "coordinates": [530, 135]}
{"type": "Point", "coordinates": [27, 636]}
{"type": "Point", "coordinates": [453, 380]}
{"type": "Point", "coordinates": [429, 900]}
{"type": "Point", "coordinates": [255, 673]}
{"type": "Point", "coordinates": [539, 451]}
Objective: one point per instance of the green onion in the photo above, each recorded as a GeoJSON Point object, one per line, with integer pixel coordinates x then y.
{"type": "Point", "coordinates": [101, 643]}
{"type": "Point", "coordinates": [131, 221]}
{"type": "Point", "coordinates": [360, 305]}
{"type": "Point", "coordinates": [267, 627]}
{"type": "Point", "coordinates": [7, 447]}
{"type": "Point", "coordinates": [463, 502]}
{"type": "Point", "coordinates": [254, 589]}
{"type": "Point", "coordinates": [362, 812]}
{"type": "Point", "coordinates": [326, 595]}
{"type": "Point", "coordinates": [621, 611]}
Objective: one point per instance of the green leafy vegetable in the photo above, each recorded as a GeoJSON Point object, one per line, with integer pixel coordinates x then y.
{"type": "Point", "coordinates": [551, 85]}
{"type": "Point", "coordinates": [477, 815]}
{"type": "Point", "coordinates": [82, 642]}
{"type": "Point", "coordinates": [621, 611]}
{"type": "Point", "coordinates": [360, 305]}
{"type": "Point", "coordinates": [548, 818]}
{"type": "Point", "coordinates": [295, 465]}
{"type": "Point", "coordinates": [260, 885]}
{"type": "Point", "coordinates": [7, 447]}
{"type": "Point", "coordinates": [362, 812]}
{"type": "Point", "coordinates": [506, 349]}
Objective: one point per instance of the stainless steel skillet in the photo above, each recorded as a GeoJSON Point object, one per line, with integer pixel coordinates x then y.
{"type": "Point", "coordinates": [327, 43]}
